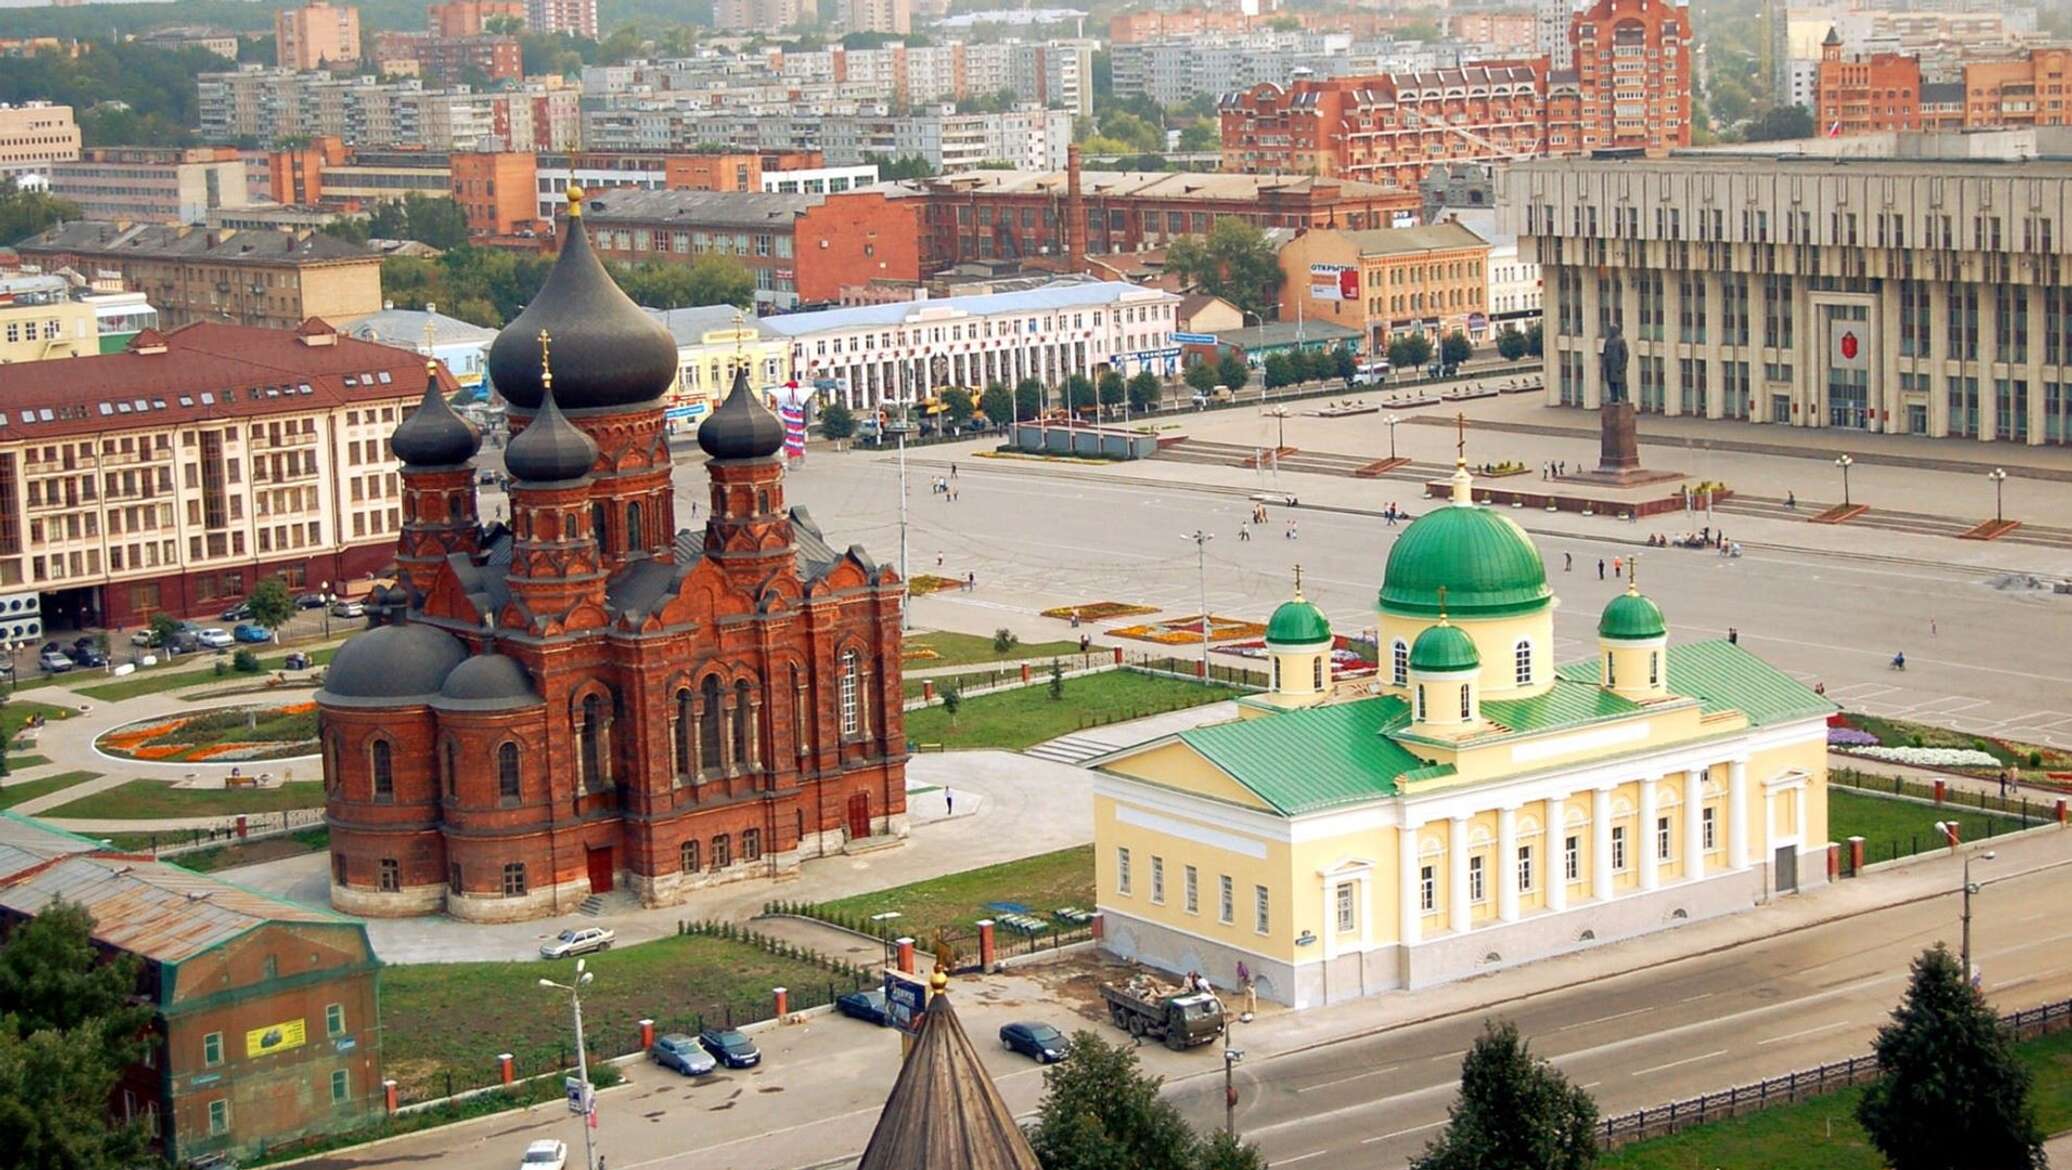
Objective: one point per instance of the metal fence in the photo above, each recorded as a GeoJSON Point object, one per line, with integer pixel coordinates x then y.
{"type": "Point", "coordinates": [258, 827]}
{"type": "Point", "coordinates": [1661, 1120]}
{"type": "Point", "coordinates": [2034, 811]}
{"type": "Point", "coordinates": [2000, 814]}
{"type": "Point", "coordinates": [1189, 666]}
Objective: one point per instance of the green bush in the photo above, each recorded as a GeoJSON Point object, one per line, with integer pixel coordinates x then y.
{"type": "Point", "coordinates": [1004, 640]}
{"type": "Point", "coordinates": [2035, 759]}
{"type": "Point", "coordinates": [245, 662]}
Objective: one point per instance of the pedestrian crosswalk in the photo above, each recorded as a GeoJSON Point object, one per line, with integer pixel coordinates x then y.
{"type": "Point", "coordinates": [1073, 749]}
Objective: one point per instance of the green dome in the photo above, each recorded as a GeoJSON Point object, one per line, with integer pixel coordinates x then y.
{"type": "Point", "coordinates": [1631, 617]}
{"type": "Point", "coordinates": [1484, 561]}
{"type": "Point", "coordinates": [1297, 623]}
{"type": "Point", "coordinates": [1443, 648]}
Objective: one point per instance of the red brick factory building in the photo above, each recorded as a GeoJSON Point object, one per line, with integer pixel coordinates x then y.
{"type": "Point", "coordinates": [173, 476]}
{"type": "Point", "coordinates": [590, 697]}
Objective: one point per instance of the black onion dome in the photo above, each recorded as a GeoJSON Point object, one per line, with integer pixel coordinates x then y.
{"type": "Point", "coordinates": [433, 435]}
{"type": "Point", "coordinates": [391, 665]}
{"type": "Point", "coordinates": [487, 682]}
{"type": "Point", "coordinates": [551, 449]}
{"type": "Point", "coordinates": [608, 351]}
{"type": "Point", "coordinates": [742, 427]}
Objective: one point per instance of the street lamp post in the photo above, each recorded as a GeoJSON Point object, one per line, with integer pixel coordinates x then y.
{"type": "Point", "coordinates": [1201, 563]}
{"type": "Point", "coordinates": [1280, 416]}
{"type": "Point", "coordinates": [906, 620]}
{"type": "Point", "coordinates": [575, 999]}
{"type": "Point", "coordinates": [327, 610]}
{"type": "Point", "coordinates": [1948, 829]}
{"type": "Point", "coordinates": [1390, 422]}
{"type": "Point", "coordinates": [1845, 463]}
{"type": "Point", "coordinates": [1999, 477]}
{"type": "Point", "coordinates": [1231, 1056]}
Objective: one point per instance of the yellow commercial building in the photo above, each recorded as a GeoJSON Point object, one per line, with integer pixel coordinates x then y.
{"type": "Point", "coordinates": [1472, 806]}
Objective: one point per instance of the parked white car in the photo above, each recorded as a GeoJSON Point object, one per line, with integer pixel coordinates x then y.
{"type": "Point", "coordinates": [215, 638]}
{"type": "Point", "coordinates": [576, 942]}
{"type": "Point", "coordinates": [546, 1154]}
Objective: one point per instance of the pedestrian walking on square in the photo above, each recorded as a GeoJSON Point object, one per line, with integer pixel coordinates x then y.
{"type": "Point", "coordinates": [971, 580]}
{"type": "Point", "coordinates": [1244, 530]}
{"type": "Point", "coordinates": [953, 471]}
{"type": "Point", "coordinates": [1618, 566]}
{"type": "Point", "coordinates": [1600, 568]}
{"type": "Point", "coordinates": [1931, 627]}
{"type": "Point", "coordinates": [938, 560]}
{"type": "Point", "coordinates": [1733, 636]}
{"type": "Point", "coordinates": [949, 803]}
{"type": "Point", "coordinates": [2003, 784]}
{"type": "Point", "coordinates": [1568, 562]}
{"type": "Point", "coordinates": [1791, 500]}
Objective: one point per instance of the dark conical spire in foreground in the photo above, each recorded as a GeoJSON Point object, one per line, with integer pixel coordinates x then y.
{"type": "Point", "coordinates": [433, 435]}
{"type": "Point", "coordinates": [742, 427]}
{"type": "Point", "coordinates": [944, 1112]}
{"type": "Point", "coordinates": [612, 353]}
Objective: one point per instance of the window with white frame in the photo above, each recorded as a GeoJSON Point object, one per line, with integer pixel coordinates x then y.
{"type": "Point", "coordinates": [1525, 875]}
{"type": "Point", "coordinates": [1345, 907]}
{"type": "Point", "coordinates": [1572, 858]}
{"type": "Point", "coordinates": [1427, 889]}
{"type": "Point", "coordinates": [1191, 890]}
{"type": "Point", "coordinates": [1399, 662]}
{"type": "Point", "coordinates": [1709, 825]}
{"type": "Point", "coordinates": [1260, 919]}
{"type": "Point", "coordinates": [1476, 889]}
{"type": "Point", "coordinates": [1662, 836]}
{"type": "Point", "coordinates": [848, 691]}
{"type": "Point", "coordinates": [1316, 673]}
{"type": "Point", "coordinates": [1157, 880]}
{"type": "Point", "coordinates": [1466, 704]}
{"type": "Point", "coordinates": [1522, 663]}
{"type": "Point", "coordinates": [1226, 900]}
{"type": "Point", "coordinates": [1122, 871]}
{"type": "Point", "coordinates": [1654, 668]}
{"type": "Point", "coordinates": [1618, 849]}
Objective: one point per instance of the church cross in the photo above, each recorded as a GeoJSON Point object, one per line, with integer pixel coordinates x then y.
{"type": "Point", "coordinates": [1298, 580]}
{"type": "Point", "coordinates": [546, 365]}
{"type": "Point", "coordinates": [1460, 446]}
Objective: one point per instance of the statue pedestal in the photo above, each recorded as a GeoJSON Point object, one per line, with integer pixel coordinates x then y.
{"type": "Point", "coordinates": [1618, 452]}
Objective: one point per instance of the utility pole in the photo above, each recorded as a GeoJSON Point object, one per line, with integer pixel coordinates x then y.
{"type": "Point", "coordinates": [1201, 564]}
{"type": "Point", "coordinates": [589, 1095]}
{"type": "Point", "coordinates": [906, 619]}
{"type": "Point", "coordinates": [1230, 1058]}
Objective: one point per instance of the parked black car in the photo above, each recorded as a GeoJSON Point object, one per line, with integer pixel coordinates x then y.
{"type": "Point", "coordinates": [868, 1006]}
{"type": "Point", "coordinates": [730, 1048]}
{"type": "Point", "coordinates": [1039, 1042]}
{"type": "Point", "coordinates": [86, 653]}
{"type": "Point", "coordinates": [237, 613]}
{"type": "Point", "coordinates": [309, 601]}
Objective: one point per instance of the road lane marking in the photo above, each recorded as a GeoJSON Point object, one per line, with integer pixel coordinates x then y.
{"type": "Point", "coordinates": [1301, 1158]}
{"type": "Point", "coordinates": [1697, 997]}
{"type": "Point", "coordinates": [1372, 1072]}
{"type": "Point", "coordinates": [1805, 1033]}
{"type": "Point", "coordinates": [1604, 1019]}
{"type": "Point", "coordinates": [1678, 1063]}
{"type": "Point", "coordinates": [1402, 1132]}
{"type": "Point", "coordinates": [1450, 1055]}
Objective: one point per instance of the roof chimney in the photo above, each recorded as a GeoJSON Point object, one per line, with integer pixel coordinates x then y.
{"type": "Point", "coordinates": [1075, 213]}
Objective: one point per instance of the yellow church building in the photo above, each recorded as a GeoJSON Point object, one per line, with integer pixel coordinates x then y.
{"type": "Point", "coordinates": [1473, 805]}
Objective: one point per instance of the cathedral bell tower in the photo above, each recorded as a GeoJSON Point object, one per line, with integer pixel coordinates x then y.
{"type": "Point", "coordinates": [554, 560]}
{"type": "Point", "coordinates": [439, 519]}
{"type": "Point", "coordinates": [749, 535]}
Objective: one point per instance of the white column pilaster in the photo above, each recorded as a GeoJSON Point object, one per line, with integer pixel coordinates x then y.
{"type": "Point", "coordinates": [1737, 814]}
{"type": "Point", "coordinates": [1507, 864]}
{"type": "Point", "coordinates": [1406, 884]}
{"type": "Point", "coordinates": [1601, 844]}
{"type": "Point", "coordinates": [1694, 824]}
{"type": "Point", "coordinates": [1650, 876]}
{"type": "Point", "coordinates": [1555, 864]}
{"type": "Point", "coordinates": [1457, 906]}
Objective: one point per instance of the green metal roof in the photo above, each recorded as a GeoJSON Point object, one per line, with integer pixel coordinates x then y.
{"type": "Point", "coordinates": [1312, 759]}
{"type": "Point", "coordinates": [1565, 704]}
{"type": "Point", "coordinates": [1484, 561]}
{"type": "Point", "coordinates": [1444, 647]}
{"type": "Point", "coordinates": [1298, 623]}
{"type": "Point", "coordinates": [1723, 677]}
{"type": "Point", "coordinates": [1631, 617]}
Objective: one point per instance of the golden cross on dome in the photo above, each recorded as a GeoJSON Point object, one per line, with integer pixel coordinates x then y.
{"type": "Point", "coordinates": [1633, 573]}
{"type": "Point", "coordinates": [1442, 605]}
{"type": "Point", "coordinates": [1460, 447]}
{"type": "Point", "coordinates": [546, 365]}
{"type": "Point", "coordinates": [1298, 580]}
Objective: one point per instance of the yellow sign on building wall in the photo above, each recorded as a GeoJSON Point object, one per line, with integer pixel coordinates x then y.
{"type": "Point", "coordinates": [276, 1038]}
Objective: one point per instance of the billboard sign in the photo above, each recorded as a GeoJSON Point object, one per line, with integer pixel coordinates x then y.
{"type": "Point", "coordinates": [905, 999]}
{"type": "Point", "coordinates": [276, 1038]}
{"type": "Point", "coordinates": [1334, 282]}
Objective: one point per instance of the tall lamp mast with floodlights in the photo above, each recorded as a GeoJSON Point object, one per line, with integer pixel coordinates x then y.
{"type": "Point", "coordinates": [589, 1094]}
{"type": "Point", "coordinates": [1999, 477]}
{"type": "Point", "coordinates": [1201, 564]}
{"type": "Point", "coordinates": [1845, 463]}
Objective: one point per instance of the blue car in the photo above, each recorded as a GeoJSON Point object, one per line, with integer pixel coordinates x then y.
{"type": "Point", "coordinates": [1039, 1042]}
{"type": "Point", "coordinates": [247, 632]}
{"type": "Point", "coordinates": [683, 1054]}
{"type": "Point", "coordinates": [868, 1006]}
{"type": "Point", "coordinates": [730, 1048]}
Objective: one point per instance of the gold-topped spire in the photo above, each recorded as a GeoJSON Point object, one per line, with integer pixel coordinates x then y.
{"type": "Point", "coordinates": [575, 200]}
{"type": "Point", "coordinates": [546, 363]}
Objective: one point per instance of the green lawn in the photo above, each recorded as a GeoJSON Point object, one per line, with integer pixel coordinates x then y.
{"type": "Point", "coordinates": [15, 794]}
{"type": "Point", "coordinates": [460, 1015]}
{"type": "Point", "coordinates": [143, 799]}
{"type": "Point", "coordinates": [1896, 828]}
{"type": "Point", "coordinates": [1017, 719]}
{"type": "Point", "coordinates": [963, 649]}
{"type": "Point", "coordinates": [17, 763]}
{"type": "Point", "coordinates": [252, 852]}
{"type": "Point", "coordinates": [965, 680]}
{"type": "Point", "coordinates": [1042, 883]}
{"type": "Point", "coordinates": [15, 715]}
{"type": "Point", "coordinates": [1822, 1134]}
{"type": "Point", "coordinates": [171, 677]}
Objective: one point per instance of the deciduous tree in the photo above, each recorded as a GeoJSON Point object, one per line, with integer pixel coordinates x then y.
{"type": "Point", "coordinates": [1510, 344]}
{"type": "Point", "coordinates": [1408, 352]}
{"type": "Point", "coordinates": [1144, 390]}
{"type": "Point", "coordinates": [1112, 389]}
{"type": "Point", "coordinates": [1234, 261]}
{"type": "Point", "coordinates": [957, 405]}
{"type": "Point", "coordinates": [1455, 348]}
{"type": "Point", "coordinates": [1233, 371]}
{"type": "Point", "coordinates": [1101, 1111]}
{"type": "Point", "coordinates": [1514, 1113]}
{"type": "Point", "coordinates": [271, 603]}
{"type": "Point", "coordinates": [837, 421]}
{"type": "Point", "coordinates": [998, 404]}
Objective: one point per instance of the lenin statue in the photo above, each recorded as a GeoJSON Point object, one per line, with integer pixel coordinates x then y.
{"type": "Point", "coordinates": [1618, 452]}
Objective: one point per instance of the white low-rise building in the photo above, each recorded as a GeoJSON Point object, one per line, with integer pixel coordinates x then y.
{"type": "Point", "coordinates": [870, 355]}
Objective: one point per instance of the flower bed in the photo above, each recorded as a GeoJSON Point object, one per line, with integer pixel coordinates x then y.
{"type": "Point", "coordinates": [1183, 630]}
{"type": "Point", "coordinates": [1849, 737]}
{"type": "Point", "coordinates": [928, 583]}
{"type": "Point", "coordinates": [1098, 611]}
{"type": "Point", "coordinates": [1926, 757]}
{"type": "Point", "coordinates": [219, 736]}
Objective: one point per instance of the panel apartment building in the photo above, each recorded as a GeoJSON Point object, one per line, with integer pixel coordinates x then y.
{"type": "Point", "coordinates": [151, 184]}
{"type": "Point", "coordinates": [176, 474]}
{"type": "Point", "coordinates": [33, 135]}
{"type": "Point", "coordinates": [1905, 284]}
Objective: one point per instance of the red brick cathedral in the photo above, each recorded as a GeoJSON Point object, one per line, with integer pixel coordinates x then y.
{"type": "Point", "coordinates": [588, 698]}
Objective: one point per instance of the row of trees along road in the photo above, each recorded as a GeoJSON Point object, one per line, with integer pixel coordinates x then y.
{"type": "Point", "coordinates": [1951, 1094]}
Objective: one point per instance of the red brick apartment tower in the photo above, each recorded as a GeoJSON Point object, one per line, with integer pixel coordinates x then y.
{"type": "Point", "coordinates": [589, 698]}
{"type": "Point", "coordinates": [1633, 70]}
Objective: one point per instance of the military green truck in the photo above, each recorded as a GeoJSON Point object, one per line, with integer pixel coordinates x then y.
{"type": "Point", "coordinates": [1147, 1008]}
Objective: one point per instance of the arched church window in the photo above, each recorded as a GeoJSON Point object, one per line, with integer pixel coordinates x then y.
{"type": "Point", "coordinates": [708, 723]}
{"type": "Point", "coordinates": [852, 719]}
{"type": "Point", "coordinates": [1399, 662]}
{"type": "Point", "coordinates": [590, 740]}
{"type": "Point", "coordinates": [384, 771]}
{"type": "Point", "coordinates": [1316, 673]}
{"type": "Point", "coordinates": [1521, 658]}
{"type": "Point", "coordinates": [507, 784]}
{"type": "Point", "coordinates": [636, 534]}
{"type": "Point", "coordinates": [741, 722]}
{"type": "Point", "coordinates": [680, 731]}
{"type": "Point", "coordinates": [1466, 709]}
{"type": "Point", "coordinates": [597, 526]}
